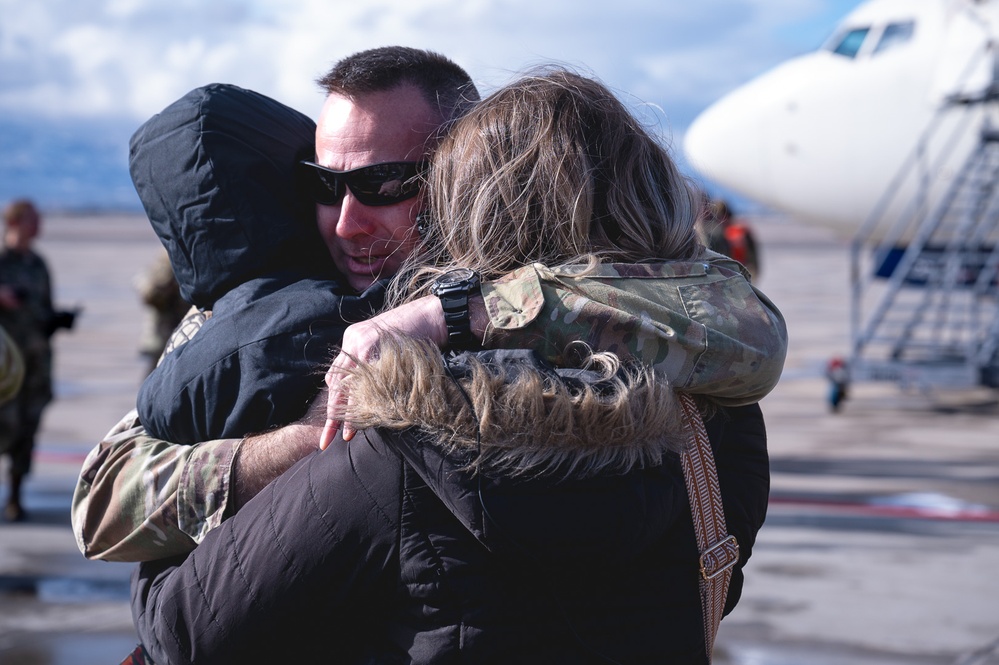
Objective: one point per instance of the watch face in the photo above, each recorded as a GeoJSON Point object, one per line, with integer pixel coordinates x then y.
{"type": "Point", "coordinates": [454, 278]}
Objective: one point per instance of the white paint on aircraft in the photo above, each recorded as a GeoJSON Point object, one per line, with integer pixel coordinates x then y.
{"type": "Point", "coordinates": [822, 136]}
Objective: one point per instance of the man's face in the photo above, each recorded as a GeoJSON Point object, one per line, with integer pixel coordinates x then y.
{"type": "Point", "coordinates": [371, 242]}
{"type": "Point", "coordinates": [24, 228]}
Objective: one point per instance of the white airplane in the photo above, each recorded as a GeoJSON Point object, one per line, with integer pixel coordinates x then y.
{"type": "Point", "coordinates": [822, 136]}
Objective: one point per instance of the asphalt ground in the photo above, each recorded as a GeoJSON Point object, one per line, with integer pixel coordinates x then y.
{"type": "Point", "coordinates": [881, 544]}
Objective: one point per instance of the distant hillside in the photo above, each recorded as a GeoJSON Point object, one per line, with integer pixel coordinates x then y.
{"type": "Point", "coordinates": [67, 165]}
{"type": "Point", "coordinates": [82, 166]}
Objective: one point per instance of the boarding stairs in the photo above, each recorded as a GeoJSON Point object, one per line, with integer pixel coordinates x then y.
{"type": "Point", "coordinates": [925, 291]}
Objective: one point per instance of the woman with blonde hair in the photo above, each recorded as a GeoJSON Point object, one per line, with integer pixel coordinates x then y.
{"type": "Point", "coordinates": [552, 178]}
{"type": "Point", "coordinates": [506, 505]}
{"type": "Point", "coordinates": [561, 159]}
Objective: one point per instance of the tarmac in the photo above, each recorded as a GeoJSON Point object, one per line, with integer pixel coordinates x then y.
{"type": "Point", "coordinates": [881, 544]}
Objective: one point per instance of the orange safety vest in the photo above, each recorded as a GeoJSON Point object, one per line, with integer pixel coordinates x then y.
{"type": "Point", "coordinates": [735, 234]}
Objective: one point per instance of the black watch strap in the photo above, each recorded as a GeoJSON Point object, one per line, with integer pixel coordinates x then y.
{"type": "Point", "coordinates": [454, 289]}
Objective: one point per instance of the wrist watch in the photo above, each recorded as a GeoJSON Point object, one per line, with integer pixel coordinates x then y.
{"type": "Point", "coordinates": [453, 288]}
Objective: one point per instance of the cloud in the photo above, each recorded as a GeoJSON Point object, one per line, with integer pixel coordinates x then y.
{"type": "Point", "coordinates": [130, 58]}
{"type": "Point", "coordinates": [78, 76]}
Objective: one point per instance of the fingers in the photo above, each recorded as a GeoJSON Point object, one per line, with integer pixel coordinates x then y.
{"type": "Point", "coordinates": [337, 398]}
{"type": "Point", "coordinates": [360, 341]}
{"type": "Point", "coordinates": [329, 433]}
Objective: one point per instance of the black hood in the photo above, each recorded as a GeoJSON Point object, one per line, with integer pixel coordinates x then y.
{"type": "Point", "coordinates": [215, 172]}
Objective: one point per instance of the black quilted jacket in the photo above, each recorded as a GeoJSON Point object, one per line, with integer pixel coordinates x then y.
{"type": "Point", "coordinates": [381, 551]}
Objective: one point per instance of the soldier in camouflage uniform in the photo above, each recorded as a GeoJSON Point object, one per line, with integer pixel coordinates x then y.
{"type": "Point", "coordinates": [26, 313]}
{"type": "Point", "coordinates": [165, 308]}
{"type": "Point", "coordinates": [700, 323]}
{"type": "Point", "coordinates": [505, 191]}
{"type": "Point", "coordinates": [141, 498]}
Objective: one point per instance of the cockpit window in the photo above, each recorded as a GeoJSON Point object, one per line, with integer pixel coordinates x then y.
{"type": "Point", "coordinates": [895, 34]}
{"type": "Point", "coordinates": [851, 41]}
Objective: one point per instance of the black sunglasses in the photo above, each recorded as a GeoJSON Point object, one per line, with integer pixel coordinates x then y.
{"type": "Point", "coordinates": [375, 185]}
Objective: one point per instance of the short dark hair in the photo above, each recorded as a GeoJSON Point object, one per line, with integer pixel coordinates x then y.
{"type": "Point", "coordinates": [446, 86]}
{"type": "Point", "coordinates": [16, 209]}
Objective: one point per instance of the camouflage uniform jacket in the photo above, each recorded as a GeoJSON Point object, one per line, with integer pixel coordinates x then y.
{"type": "Point", "coordinates": [30, 325]}
{"type": "Point", "coordinates": [700, 323]}
{"type": "Point", "coordinates": [11, 367]}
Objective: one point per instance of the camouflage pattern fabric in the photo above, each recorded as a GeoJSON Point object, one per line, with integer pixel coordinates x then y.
{"type": "Point", "coordinates": [187, 328]}
{"type": "Point", "coordinates": [165, 309]}
{"type": "Point", "coordinates": [11, 367]}
{"type": "Point", "coordinates": [140, 498]}
{"type": "Point", "coordinates": [700, 323]}
{"type": "Point", "coordinates": [150, 495]}
{"type": "Point", "coordinates": [29, 326]}
{"type": "Point", "coordinates": [137, 657]}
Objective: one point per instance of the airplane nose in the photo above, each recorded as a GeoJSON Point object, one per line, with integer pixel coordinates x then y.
{"type": "Point", "coordinates": [726, 144]}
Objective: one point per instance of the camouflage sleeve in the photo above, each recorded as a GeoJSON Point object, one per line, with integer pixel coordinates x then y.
{"type": "Point", "coordinates": [11, 367]}
{"type": "Point", "coordinates": [701, 323]}
{"type": "Point", "coordinates": [139, 498]}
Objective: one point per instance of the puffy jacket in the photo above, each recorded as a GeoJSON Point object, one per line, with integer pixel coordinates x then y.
{"type": "Point", "coordinates": [397, 548]}
{"type": "Point", "coordinates": [257, 362]}
{"type": "Point", "coordinates": [215, 172]}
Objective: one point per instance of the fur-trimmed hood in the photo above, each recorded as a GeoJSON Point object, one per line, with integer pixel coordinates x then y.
{"type": "Point", "coordinates": [508, 412]}
{"type": "Point", "coordinates": [561, 455]}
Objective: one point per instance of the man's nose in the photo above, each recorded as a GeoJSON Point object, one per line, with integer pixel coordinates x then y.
{"type": "Point", "coordinates": [355, 218]}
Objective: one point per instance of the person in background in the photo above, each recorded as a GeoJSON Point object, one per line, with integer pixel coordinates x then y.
{"type": "Point", "coordinates": [27, 314]}
{"type": "Point", "coordinates": [731, 236]}
{"type": "Point", "coordinates": [838, 373]}
{"type": "Point", "coordinates": [165, 308]}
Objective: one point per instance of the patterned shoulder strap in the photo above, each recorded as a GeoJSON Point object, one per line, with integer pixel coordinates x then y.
{"type": "Point", "coordinates": [719, 551]}
{"type": "Point", "coordinates": [137, 657]}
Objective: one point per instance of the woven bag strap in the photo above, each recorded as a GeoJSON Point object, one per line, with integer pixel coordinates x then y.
{"type": "Point", "coordinates": [719, 552]}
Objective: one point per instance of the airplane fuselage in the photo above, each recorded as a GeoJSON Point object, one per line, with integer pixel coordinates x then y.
{"type": "Point", "coordinates": [822, 136]}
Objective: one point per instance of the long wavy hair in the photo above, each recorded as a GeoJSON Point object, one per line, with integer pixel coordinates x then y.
{"type": "Point", "coordinates": [553, 169]}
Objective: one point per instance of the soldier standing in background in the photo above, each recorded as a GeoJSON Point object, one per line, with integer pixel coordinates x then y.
{"type": "Point", "coordinates": [722, 232]}
{"type": "Point", "coordinates": [26, 313]}
{"type": "Point", "coordinates": [165, 308]}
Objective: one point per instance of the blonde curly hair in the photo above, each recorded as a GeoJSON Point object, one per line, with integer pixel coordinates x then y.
{"type": "Point", "coordinates": [552, 168]}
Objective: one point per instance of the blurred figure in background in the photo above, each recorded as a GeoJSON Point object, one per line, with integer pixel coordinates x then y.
{"type": "Point", "coordinates": [726, 234]}
{"type": "Point", "coordinates": [26, 313]}
{"type": "Point", "coordinates": [838, 373]}
{"type": "Point", "coordinates": [160, 295]}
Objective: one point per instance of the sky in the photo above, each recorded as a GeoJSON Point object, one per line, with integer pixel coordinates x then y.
{"type": "Point", "coordinates": [77, 77]}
